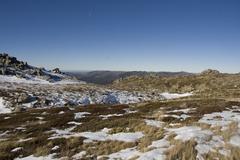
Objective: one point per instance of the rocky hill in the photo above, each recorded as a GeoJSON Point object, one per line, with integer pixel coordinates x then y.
{"type": "Point", "coordinates": [209, 82]}
{"type": "Point", "coordinates": [11, 66]}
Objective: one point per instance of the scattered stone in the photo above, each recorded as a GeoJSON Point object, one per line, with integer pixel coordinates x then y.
{"type": "Point", "coordinates": [57, 70]}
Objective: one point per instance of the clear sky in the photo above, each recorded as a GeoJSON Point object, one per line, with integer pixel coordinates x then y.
{"type": "Point", "coordinates": [152, 35]}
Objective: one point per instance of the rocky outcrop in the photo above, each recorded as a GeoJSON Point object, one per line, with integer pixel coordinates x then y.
{"type": "Point", "coordinates": [12, 66]}
{"type": "Point", "coordinates": [210, 72]}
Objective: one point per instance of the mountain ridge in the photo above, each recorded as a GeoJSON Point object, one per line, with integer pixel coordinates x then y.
{"type": "Point", "coordinates": [108, 77]}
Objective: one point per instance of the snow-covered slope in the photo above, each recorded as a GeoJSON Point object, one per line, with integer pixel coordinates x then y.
{"type": "Point", "coordinates": [25, 86]}
{"type": "Point", "coordinates": [36, 80]}
{"type": "Point", "coordinates": [26, 94]}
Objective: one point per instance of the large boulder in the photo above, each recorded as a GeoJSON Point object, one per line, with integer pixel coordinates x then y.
{"type": "Point", "coordinates": [210, 72]}
{"type": "Point", "coordinates": [10, 65]}
{"type": "Point", "coordinates": [56, 70]}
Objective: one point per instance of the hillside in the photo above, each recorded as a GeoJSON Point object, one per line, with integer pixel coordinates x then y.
{"type": "Point", "coordinates": [208, 82]}
{"type": "Point", "coordinates": [107, 77]}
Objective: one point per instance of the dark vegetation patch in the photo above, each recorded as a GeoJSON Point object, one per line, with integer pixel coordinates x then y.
{"type": "Point", "coordinates": [106, 147]}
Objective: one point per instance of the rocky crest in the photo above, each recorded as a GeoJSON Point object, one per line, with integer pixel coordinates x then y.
{"type": "Point", "coordinates": [210, 72]}
{"type": "Point", "coordinates": [12, 66]}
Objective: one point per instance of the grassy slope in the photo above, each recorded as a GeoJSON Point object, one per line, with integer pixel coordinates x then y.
{"type": "Point", "coordinates": [221, 85]}
{"type": "Point", "coordinates": [41, 146]}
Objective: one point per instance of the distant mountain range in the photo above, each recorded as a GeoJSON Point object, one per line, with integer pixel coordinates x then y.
{"type": "Point", "coordinates": [107, 77]}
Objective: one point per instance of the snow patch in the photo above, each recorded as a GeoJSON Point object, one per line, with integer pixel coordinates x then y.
{"type": "Point", "coordinates": [98, 136]}
{"type": "Point", "coordinates": [24, 140]}
{"type": "Point", "coordinates": [154, 123]}
{"type": "Point", "coordinates": [128, 153]}
{"type": "Point", "coordinates": [103, 136]}
{"type": "Point", "coordinates": [32, 157]}
{"type": "Point", "coordinates": [81, 115]}
{"type": "Point", "coordinates": [62, 133]}
{"type": "Point", "coordinates": [15, 79]}
{"type": "Point", "coordinates": [3, 107]}
{"type": "Point", "coordinates": [128, 111]}
{"type": "Point", "coordinates": [181, 117]}
{"type": "Point", "coordinates": [35, 80]}
{"type": "Point", "coordinates": [79, 155]}
{"type": "Point", "coordinates": [175, 95]}
{"type": "Point", "coordinates": [75, 123]}
{"type": "Point", "coordinates": [188, 132]}
{"type": "Point", "coordinates": [187, 110]}
{"type": "Point", "coordinates": [16, 149]}
{"type": "Point", "coordinates": [221, 119]}
{"type": "Point", "coordinates": [40, 118]}
{"type": "Point", "coordinates": [235, 140]}
{"type": "Point", "coordinates": [7, 117]}
{"type": "Point", "coordinates": [55, 148]}
{"type": "Point", "coordinates": [61, 112]}
{"type": "Point", "coordinates": [110, 115]}
{"type": "Point", "coordinates": [158, 153]}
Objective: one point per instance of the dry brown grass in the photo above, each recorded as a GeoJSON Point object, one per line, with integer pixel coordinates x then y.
{"type": "Point", "coordinates": [5, 149]}
{"type": "Point", "coordinates": [151, 134]}
{"type": "Point", "coordinates": [220, 85]}
{"type": "Point", "coordinates": [99, 148]}
{"type": "Point", "coordinates": [233, 155]}
{"type": "Point", "coordinates": [182, 150]}
{"type": "Point", "coordinates": [230, 131]}
{"type": "Point", "coordinates": [40, 145]}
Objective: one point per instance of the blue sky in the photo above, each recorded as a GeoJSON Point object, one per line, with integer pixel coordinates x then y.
{"type": "Point", "coordinates": [152, 35]}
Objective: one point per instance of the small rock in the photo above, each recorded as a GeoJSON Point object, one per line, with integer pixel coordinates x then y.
{"type": "Point", "coordinates": [19, 109]}
{"type": "Point", "coordinates": [56, 70]}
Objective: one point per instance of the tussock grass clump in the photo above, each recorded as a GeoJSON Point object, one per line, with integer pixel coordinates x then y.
{"type": "Point", "coordinates": [235, 153]}
{"type": "Point", "coordinates": [5, 150]}
{"type": "Point", "coordinates": [106, 147]}
{"type": "Point", "coordinates": [96, 124]}
{"type": "Point", "coordinates": [119, 129]}
{"type": "Point", "coordinates": [183, 151]}
{"type": "Point", "coordinates": [69, 147]}
{"type": "Point", "coordinates": [151, 134]}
